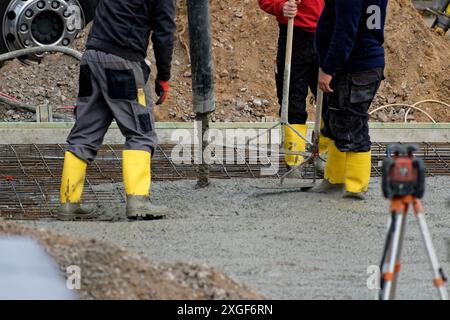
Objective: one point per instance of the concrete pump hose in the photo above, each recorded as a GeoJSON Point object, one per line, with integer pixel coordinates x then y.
{"type": "Point", "coordinates": [35, 50]}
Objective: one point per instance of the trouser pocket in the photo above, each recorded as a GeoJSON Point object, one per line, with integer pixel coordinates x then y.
{"type": "Point", "coordinates": [364, 86]}
{"type": "Point", "coordinates": [85, 82]}
{"type": "Point", "coordinates": [121, 84]}
{"type": "Point", "coordinates": [145, 122]}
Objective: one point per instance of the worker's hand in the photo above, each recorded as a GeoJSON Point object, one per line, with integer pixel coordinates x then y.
{"type": "Point", "coordinates": [162, 90]}
{"type": "Point", "coordinates": [290, 8]}
{"type": "Point", "coordinates": [325, 81]}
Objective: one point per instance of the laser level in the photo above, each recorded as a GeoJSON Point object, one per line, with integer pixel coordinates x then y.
{"type": "Point", "coordinates": [403, 173]}
{"type": "Point", "coordinates": [404, 184]}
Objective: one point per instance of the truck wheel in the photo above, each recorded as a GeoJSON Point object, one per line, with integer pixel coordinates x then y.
{"type": "Point", "coordinates": [31, 23]}
{"type": "Point", "coordinates": [3, 5]}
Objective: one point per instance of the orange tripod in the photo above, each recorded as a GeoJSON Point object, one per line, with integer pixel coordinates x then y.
{"type": "Point", "coordinates": [391, 264]}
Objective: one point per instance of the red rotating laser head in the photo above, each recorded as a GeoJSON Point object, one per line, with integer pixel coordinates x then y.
{"type": "Point", "coordinates": [403, 172]}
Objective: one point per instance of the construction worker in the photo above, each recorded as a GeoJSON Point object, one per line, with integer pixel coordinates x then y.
{"type": "Point", "coordinates": [113, 86]}
{"type": "Point", "coordinates": [304, 67]}
{"type": "Point", "coordinates": [350, 37]}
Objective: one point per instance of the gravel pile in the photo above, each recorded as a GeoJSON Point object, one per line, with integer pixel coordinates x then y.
{"type": "Point", "coordinates": [109, 272]}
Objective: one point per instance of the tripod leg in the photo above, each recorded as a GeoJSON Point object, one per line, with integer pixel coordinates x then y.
{"type": "Point", "coordinates": [389, 275]}
{"type": "Point", "coordinates": [398, 263]}
{"type": "Point", "coordinates": [438, 273]}
{"type": "Point", "coordinates": [387, 252]}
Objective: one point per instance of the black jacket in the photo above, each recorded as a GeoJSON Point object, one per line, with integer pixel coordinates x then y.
{"type": "Point", "coordinates": [123, 28]}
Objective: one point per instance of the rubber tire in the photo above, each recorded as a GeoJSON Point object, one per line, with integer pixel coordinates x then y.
{"type": "Point", "coordinates": [88, 7]}
{"type": "Point", "coordinates": [3, 5]}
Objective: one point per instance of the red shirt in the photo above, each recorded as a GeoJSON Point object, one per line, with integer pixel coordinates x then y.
{"type": "Point", "coordinates": [308, 14]}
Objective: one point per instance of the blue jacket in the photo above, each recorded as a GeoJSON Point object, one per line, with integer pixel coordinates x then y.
{"type": "Point", "coordinates": [350, 35]}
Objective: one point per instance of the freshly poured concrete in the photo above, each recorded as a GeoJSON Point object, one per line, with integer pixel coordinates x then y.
{"type": "Point", "coordinates": [284, 245]}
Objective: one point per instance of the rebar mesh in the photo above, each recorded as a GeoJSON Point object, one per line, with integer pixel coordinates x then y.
{"type": "Point", "coordinates": [30, 174]}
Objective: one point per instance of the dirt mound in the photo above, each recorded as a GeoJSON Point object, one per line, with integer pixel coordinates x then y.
{"type": "Point", "coordinates": [244, 50]}
{"type": "Point", "coordinates": [109, 272]}
{"type": "Point", "coordinates": [418, 63]}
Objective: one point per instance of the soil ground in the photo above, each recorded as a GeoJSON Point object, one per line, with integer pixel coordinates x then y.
{"type": "Point", "coordinates": [285, 246]}
{"type": "Point", "coordinates": [244, 50]}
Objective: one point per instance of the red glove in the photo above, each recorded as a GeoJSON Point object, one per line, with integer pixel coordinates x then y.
{"type": "Point", "coordinates": [161, 89]}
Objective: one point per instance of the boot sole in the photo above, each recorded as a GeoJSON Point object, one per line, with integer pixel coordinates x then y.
{"type": "Point", "coordinates": [139, 216]}
{"type": "Point", "coordinates": [353, 196]}
{"type": "Point", "coordinates": [329, 190]}
{"type": "Point", "coordinates": [75, 217]}
{"type": "Point", "coordinates": [146, 217]}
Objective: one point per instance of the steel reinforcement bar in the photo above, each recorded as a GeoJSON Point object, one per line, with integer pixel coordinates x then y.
{"type": "Point", "coordinates": [30, 174]}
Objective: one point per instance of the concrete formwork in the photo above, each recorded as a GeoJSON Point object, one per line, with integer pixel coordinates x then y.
{"type": "Point", "coordinates": [169, 133]}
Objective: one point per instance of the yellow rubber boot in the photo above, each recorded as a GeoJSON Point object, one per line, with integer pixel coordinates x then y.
{"type": "Point", "coordinates": [334, 170]}
{"type": "Point", "coordinates": [357, 174]}
{"type": "Point", "coordinates": [335, 167]}
{"type": "Point", "coordinates": [72, 184]}
{"type": "Point", "coordinates": [293, 143]}
{"type": "Point", "coordinates": [137, 182]}
{"type": "Point", "coordinates": [136, 172]}
{"type": "Point", "coordinates": [323, 144]}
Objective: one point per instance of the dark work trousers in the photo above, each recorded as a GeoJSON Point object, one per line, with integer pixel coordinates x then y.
{"type": "Point", "coordinates": [304, 72]}
{"type": "Point", "coordinates": [112, 88]}
{"type": "Point", "coordinates": [348, 117]}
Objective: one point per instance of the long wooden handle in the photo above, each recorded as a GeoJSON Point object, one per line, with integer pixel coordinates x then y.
{"type": "Point", "coordinates": [318, 121]}
{"type": "Point", "coordinates": [287, 71]}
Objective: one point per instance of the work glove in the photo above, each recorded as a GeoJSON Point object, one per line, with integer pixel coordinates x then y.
{"type": "Point", "coordinates": [161, 89]}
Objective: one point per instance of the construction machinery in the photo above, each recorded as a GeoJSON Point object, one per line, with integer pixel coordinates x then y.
{"type": "Point", "coordinates": [442, 23]}
{"type": "Point", "coordinates": [32, 23]}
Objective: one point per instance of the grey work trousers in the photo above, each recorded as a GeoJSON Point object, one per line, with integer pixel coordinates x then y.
{"type": "Point", "coordinates": [112, 88]}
